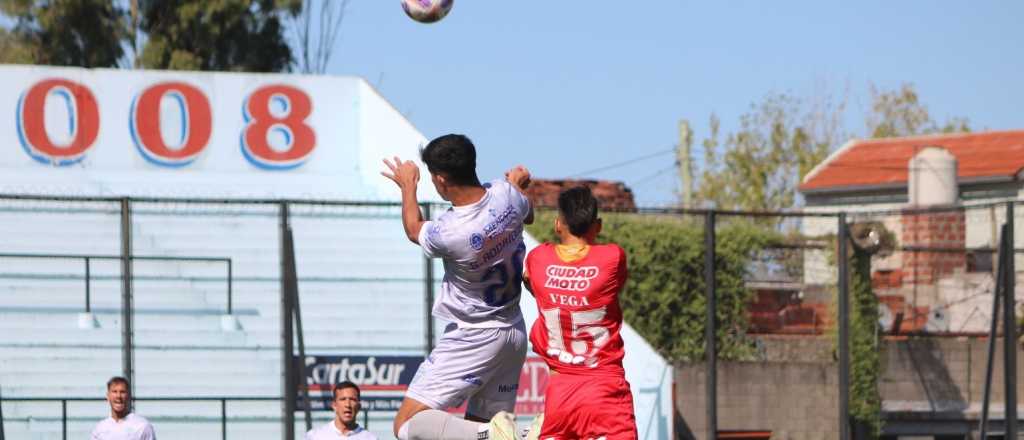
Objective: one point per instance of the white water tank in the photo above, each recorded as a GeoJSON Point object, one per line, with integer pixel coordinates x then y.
{"type": "Point", "coordinates": [932, 178]}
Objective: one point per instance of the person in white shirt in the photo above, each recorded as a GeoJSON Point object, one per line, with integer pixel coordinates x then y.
{"type": "Point", "coordinates": [346, 407]}
{"type": "Point", "coordinates": [479, 357]}
{"type": "Point", "coordinates": [122, 423]}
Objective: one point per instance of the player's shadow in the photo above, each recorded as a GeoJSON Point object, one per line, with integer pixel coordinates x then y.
{"type": "Point", "coordinates": [683, 431]}
{"type": "Point", "coordinates": [926, 376]}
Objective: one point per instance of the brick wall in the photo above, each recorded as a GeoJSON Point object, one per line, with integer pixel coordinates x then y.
{"type": "Point", "coordinates": [937, 230]}
{"type": "Point", "coordinates": [612, 196]}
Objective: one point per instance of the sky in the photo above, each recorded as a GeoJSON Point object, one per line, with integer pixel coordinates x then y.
{"type": "Point", "coordinates": [564, 87]}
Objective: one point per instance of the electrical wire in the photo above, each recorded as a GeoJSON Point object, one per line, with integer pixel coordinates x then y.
{"type": "Point", "coordinates": [623, 163]}
{"type": "Point", "coordinates": [653, 175]}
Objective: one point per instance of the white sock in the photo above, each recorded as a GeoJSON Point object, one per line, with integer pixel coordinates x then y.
{"type": "Point", "coordinates": [434, 424]}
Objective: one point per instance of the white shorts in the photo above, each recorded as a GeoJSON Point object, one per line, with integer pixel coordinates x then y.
{"type": "Point", "coordinates": [479, 364]}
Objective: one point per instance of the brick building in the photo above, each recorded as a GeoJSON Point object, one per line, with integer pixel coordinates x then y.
{"type": "Point", "coordinates": [941, 278]}
{"type": "Point", "coordinates": [612, 196]}
{"type": "Point", "coordinates": [936, 194]}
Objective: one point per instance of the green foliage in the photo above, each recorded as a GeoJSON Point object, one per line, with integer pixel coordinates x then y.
{"type": "Point", "coordinates": [86, 33]}
{"type": "Point", "coordinates": [779, 141]}
{"type": "Point", "coordinates": [664, 299]}
{"type": "Point", "coordinates": [13, 50]}
{"type": "Point", "coordinates": [865, 364]}
{"type": "Point", "coordinates": [219, 35]}
{"type": "Point", "coordinates": [900, 113]}
{"type": "Point", "coordinates": [782, 138]}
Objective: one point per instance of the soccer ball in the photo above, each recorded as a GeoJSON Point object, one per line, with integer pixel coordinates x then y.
{"type": "Point", "coordinates": [427, 11]}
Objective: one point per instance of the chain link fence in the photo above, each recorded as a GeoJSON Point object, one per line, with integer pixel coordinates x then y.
{"type": "Point", "coordinates": [204, 296]}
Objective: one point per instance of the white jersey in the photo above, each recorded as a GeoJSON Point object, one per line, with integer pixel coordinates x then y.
{"type": "Point", "coordinates": [482, 247]}
{"type": "Point", "coordinates": [331, 432]}
{"type": "Point", "coordinates": [132, 427]}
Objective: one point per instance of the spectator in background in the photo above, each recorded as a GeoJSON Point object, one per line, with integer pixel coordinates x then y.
{"type": "Point", "coordinates": [346, 407]}
{"type": "Point", "coordinates": [122, 423]}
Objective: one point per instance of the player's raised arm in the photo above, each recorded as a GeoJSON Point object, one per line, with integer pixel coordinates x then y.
{"type": "Point", "coordinates": [406, 175]}
{"type": "Point", "coordinates": [519, 177]}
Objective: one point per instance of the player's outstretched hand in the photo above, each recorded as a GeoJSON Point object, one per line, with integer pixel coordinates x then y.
{"type": "Point", "coordinates": [518, 176]}
{"type": "Point", "coordinates": [404, 173]}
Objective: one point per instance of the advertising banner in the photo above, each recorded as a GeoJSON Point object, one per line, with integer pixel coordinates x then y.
{"type": "Point", "coordinates": [74, 131]}
{"type": "Point", "coordinates": [383, 380]}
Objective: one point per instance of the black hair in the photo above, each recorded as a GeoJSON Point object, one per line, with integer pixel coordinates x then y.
{"type": "Point", "coordinates": [454, 156]}
{"type": "Point", "coordinates": [578, 209]}
{"type": "Point", "coordinates": [120, 380]}
{"type": "Point", "coordinates": [343, 385]}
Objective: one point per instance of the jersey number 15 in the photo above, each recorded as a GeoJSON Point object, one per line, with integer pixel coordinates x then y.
{"type": "Point", "coordinates": [586, 338]}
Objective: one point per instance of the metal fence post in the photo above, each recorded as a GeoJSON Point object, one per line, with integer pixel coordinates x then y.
{"type": "Point", "coordinates": [88, 287]}
{"type": "Point", "coordinates": [993, 328]}
{"type": "Point", "coordinates": [287, 366]}
{"type": "Point", "coordinates": [64, 419]}
{"type": "Point", "coordinates": [231, 283]}
{"type": "Point", "coordinates": [1, 414]}
{"type": "Point", "coordinates": [428, 291]}
{"type": "Point", "coordinates": [844, 329]}
{"type": "Point", "coordinates": [1010, 330]}
{"type": "Point", "coordinates": [224, 419]}
{"type": "Point", "coordinates": [710, 327]}
{"type": "Point", "coordinates": [127, 349]}
{"type": "Point", "coordinates": [300, 369]}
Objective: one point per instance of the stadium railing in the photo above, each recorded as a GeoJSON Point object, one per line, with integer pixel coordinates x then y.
{"type": "Point", "coordinates": [223, 400]}
{"type": "Point", "coordinates": [88, 258]}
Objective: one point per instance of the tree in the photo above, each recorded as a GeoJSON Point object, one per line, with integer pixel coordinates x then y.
{"type": "Point", "coordinates": [223, 35]}
{"type": "Point", "coordinates": [783, 138]}
{"type": "Point", "coordinates": [86, 33]}
{"type": "Point", "coordinates": [900, 113]}
{"type": "Point", "coordinates": [315, 45]}
{"type": "Point", "coordinates": [14, 50]}
{"type": "Point", "coordinates": [762, 163]}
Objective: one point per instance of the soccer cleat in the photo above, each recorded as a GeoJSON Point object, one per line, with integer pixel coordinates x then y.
{"type": "Point", "coordinates": [534, 432]}
{"type": "Point", "coordinates": [502, 427]}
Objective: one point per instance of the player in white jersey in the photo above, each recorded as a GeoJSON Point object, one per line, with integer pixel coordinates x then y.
{"type": "Point", "coordinates": [122, 423]}
{"type": "Point", "coordinates": [346, 408]}
{"type": "Point", "coordinates": [480, 239]}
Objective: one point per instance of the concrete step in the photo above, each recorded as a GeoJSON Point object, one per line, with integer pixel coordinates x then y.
{"type": "Point", "coordinates": [45, 353]}
{"type": "Point", "coordinates": [408, 338]}
{"type": "Point", "coordinates": [352, 266]}
{"type": "Point", "coordinates": [205, 425]}
{"type": "Point", "coordinates": [211, 295]}
{"type": "Point", "coordinates": [268, 387]}
{"type": "Point", "coordinates": [315, 320]}
{"type": "Point", "coordinates": [184, 361]}
{"type": "Point", "coordinates": [112, 337]}
{"type": "Point", "coordinates": [142, 322]}
{"type": "Point", "coordinates": [266, 380]}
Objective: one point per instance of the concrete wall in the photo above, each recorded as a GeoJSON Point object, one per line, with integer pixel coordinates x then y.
{"type": "Point", "coordinates": [928, 385]}
{"type": "Point", "coordinates": [793, 400]}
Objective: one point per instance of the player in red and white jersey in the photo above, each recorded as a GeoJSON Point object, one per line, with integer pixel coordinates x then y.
{"type": "Point", "coordinates": [576, 284]}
